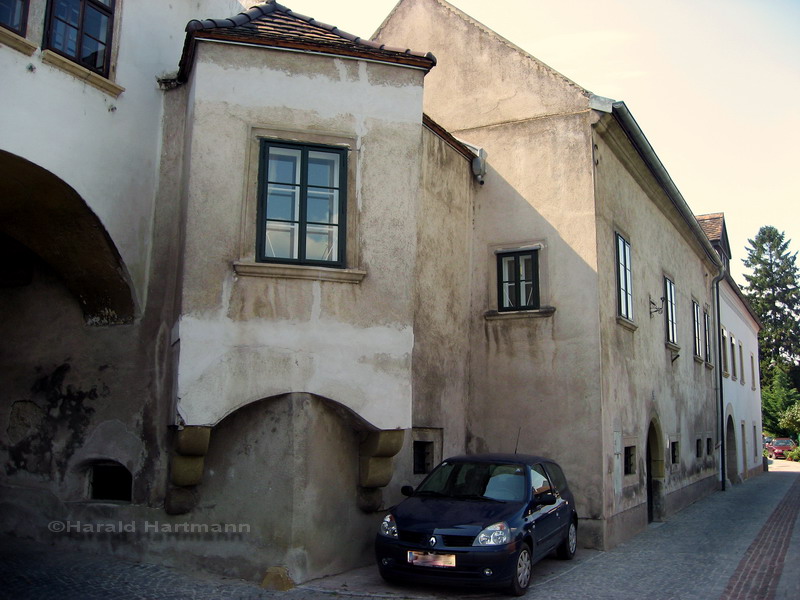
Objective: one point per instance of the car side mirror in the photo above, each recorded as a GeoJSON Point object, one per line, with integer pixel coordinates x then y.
{"type": "Point", "coordinates": [407, 490]}
{"type": "Point", "coordinates": [545, 499]}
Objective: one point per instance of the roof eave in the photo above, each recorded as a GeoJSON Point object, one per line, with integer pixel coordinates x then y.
{"type": "Point", "coordinates": [625, 119]}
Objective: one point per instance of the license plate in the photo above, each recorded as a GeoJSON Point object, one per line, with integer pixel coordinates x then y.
{"type": "Point", "coordinates": [425, 559]}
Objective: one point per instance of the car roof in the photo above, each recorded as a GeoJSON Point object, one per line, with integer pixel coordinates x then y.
{"type": "Point", "coordinates": [500, 457]}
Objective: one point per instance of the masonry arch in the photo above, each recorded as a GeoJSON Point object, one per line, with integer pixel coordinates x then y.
{"type": "Point", "coordinates": [656, 472]}
{"type": "Point", "coordinates": [731, 451]}
{"type": "Point", "coordinates": [41, 215]}
{"type": "Point", "coordinates": [293, 466]}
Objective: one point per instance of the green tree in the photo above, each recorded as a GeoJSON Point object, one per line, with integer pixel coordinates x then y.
{"type": "Point", "coordinates": [791, 419]}
{"type": "Point", "coordinates": [776, 398]}
{"type": "Point", "coordinates": [773, 293]}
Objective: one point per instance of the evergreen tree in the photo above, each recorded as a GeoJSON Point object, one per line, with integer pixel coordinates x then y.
{"type": "Point", "coordinates": [776, 399]}
{"type": "Point", "coordinates": [772, 289]}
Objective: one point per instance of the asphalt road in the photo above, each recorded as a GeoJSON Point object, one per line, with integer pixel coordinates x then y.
{"type": "Point", "coordinates": [740, 544]}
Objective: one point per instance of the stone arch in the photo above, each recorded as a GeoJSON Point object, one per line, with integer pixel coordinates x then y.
{"type": "Point", "coordinates": [731, 452]}
{"type": "Point", "coordinates": [42, 214]}
{"type": "Point", "coordinates": [656, 472]}
{"type": "Point", "coordinates": [291, 466]}
{"type": "Point", "coordinates": [375, 465]}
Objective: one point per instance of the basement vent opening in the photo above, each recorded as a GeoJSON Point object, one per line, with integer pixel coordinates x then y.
{"type": "Point", "coordinates": [110, 481]}
{"type": "Point", "coordinates": [423, 457]}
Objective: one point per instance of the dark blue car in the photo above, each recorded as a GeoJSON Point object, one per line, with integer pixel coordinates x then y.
{"type": "Point", "coordinates": [479, 520]}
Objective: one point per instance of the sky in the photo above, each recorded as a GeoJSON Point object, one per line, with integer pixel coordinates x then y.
{"type": "Point", "coordinates": [713, 84]}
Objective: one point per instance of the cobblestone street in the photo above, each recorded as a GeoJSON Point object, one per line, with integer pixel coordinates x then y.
{"type": "Point", "coordinates": [740, 544]}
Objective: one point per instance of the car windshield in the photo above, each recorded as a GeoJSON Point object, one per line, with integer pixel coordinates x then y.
{"type": "Point", "coordinates": [782, 443]}
{"type": "Point", "coordinates": [476, 481]}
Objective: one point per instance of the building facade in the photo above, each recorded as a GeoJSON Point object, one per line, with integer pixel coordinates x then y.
{"type": "Point", "coordinates": [259, 273]}
{"type": "Point", "coordinates": [739, 376]}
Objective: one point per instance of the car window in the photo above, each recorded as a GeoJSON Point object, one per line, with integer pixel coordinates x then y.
{"type": "Point", "coordinates": [539, 482]}
{"type": "Point", "coordinates": [474, 480]}
{"type": "Point", "coordinates": [556, 476]}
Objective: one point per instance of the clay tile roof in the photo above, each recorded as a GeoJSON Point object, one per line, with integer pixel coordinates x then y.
{"type": "Point", "coordinates": [712, 225]}
{"type": "Point", "coordinates": [274, 25]}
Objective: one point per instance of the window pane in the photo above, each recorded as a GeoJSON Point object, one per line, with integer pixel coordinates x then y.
{"type": "Point", "coordinates": [283, 202]}
{"type": "Point", "coordinates": [95, 24]}
{"type": "Point", "coordinates": [281, 240]}
{"type": "Point", "coordinates": [11, 13]}
{"type": "Point", "coordinates": [323, 206]}
{"type": "Point", "coordinates": [68, 11]}
{"type": "Point", "coordinates": [527, 293]}
{"type": "Point", "coordinates": [525, 268]}
{"type": "Point", "coordinates": [93, 53]}
{"type": "Point", "coordinates": [322, 242]}
{"type": "Point", "coordinates": [65, 38]}
{"type": "Point", "coordinates": [508, 268]}
{"type": "Point", "coordinates": [509, 295]}
{"type": "Point", "coordinates": [323, 169]}
{"type": "Point", "coordinates": [284, 166]}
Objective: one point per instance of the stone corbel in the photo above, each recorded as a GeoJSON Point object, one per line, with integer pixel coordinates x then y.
{"type": "Point", "coordinates": [376, 466]}
{"type": "Point", "coordinates": [186, 469]}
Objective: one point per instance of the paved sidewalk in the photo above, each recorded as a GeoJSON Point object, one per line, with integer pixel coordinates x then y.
{"type": "Point", "coordinates": [743, 544]}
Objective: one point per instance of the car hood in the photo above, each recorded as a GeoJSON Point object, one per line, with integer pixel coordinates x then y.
{"type": "Point", "coordinates": [429, 514]}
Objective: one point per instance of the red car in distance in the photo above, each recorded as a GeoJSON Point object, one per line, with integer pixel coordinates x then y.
{"type": "Point", "coordinates": [778, 447]}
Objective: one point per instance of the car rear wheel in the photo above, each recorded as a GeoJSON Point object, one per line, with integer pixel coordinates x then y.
{"type": "Point", "coordinates": [566, 550]}
{"type": "Point", "coordinates": [522, 571]}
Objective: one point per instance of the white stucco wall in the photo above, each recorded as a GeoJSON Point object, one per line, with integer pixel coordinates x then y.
{"type": "Point", "coordinates": [742, 392]}
{"type": "Point", "coordinates": [106, 148]}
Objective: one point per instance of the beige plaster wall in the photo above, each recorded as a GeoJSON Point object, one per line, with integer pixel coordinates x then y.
{"type": "Point", "coordinates": [481, 78]}
{"type": "Point", "coordinates": [536, 375]}
{"type": "Point", "coordinates": [441, 307]}
{"type": "Point", "coordinates": [243, 338]}
{"type": "Point", "coordinates": [644, 378]}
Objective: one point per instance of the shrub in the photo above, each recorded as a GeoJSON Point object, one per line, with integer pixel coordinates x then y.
{"type": "Point", "coordinates": [794, 454]}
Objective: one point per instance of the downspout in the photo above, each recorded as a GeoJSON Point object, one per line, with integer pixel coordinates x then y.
{"type": "Point", "coordinates": [721, 402]}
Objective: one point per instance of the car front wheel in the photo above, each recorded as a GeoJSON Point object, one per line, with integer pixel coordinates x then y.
{"type": "Point", "coordinates": [522, 571]}
{"type": "Point", "coordinates": [566, 550]}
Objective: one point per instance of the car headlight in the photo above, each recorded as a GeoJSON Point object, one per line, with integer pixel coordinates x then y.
{"type": "Point", "coordinates": [493, 535]}
{"type": "Point", "coordinates": [388, 526]}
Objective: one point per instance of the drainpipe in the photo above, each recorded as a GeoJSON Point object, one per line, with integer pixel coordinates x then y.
{"type": "Point", "coordinates": [721, 403]}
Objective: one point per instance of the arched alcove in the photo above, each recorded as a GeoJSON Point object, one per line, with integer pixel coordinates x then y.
{"type": "Point", "coordinates": [655, 472]}
{"type": "Point", "coordinates": [43, 214]}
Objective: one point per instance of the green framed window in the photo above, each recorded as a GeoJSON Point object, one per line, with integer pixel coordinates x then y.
{"type": "Point", "coordinates": [81, 30]}
{"type": "Point", "coordinates": [302, 203]}
{"type": "Point", "coordinates": [624, 279]}
{"type": "Point", "coordinates": [14, 15]}
{"type": "Point", "coordinates": [670, 310]}
{"type": "Point", "coordinates": [518, 280]}
{"type": "Point", "coordinates": [698, 329]}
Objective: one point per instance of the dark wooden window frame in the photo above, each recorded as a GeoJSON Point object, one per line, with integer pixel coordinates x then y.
{"type": "Point", "coordinates": [263, 185]}
{"type": "Point", "coordinates": [698, 329]}
{"type": "Point", "coordinates": [99, 6]}
{"type": "Point", "coordinates": [670, 309]}
{"type": "Point", "coordinates": [624, 278]}
{"type": "Point", "coordinates": [23, 19]}
{"type": "Point", "coordinates": [518, 303]}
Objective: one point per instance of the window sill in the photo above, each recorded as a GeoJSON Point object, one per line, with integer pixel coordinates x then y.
{"type": "Point", "coordinates": [16, 41]}
{"type": "Point", "coordinates": [90, 77]}
{"type": "Point", "coordinates": [673, 346]}
{"type": "Point", "coordinates": [281, 271]}
{"type": "Point", "coordinates": [699, 359]}
{"type": "Point", "coordinates": [627, 323]}
{"type": "Point", "coordinates": [709, 365]}
{"type": "Point", "coordinates": [494, 315]}
{"type": "Point", "coordinates": [726, 374]}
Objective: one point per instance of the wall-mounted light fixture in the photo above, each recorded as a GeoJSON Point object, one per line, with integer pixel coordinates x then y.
{"type": "Point", "coordinates": [655, 308]}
